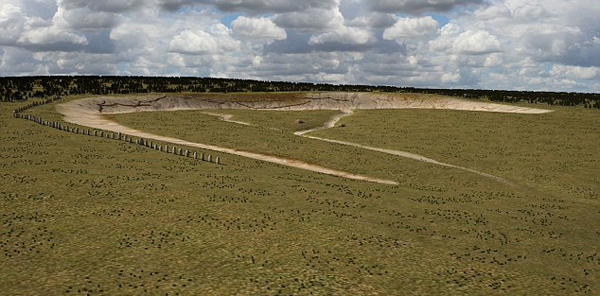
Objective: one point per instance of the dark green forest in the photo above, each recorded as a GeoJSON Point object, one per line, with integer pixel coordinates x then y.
{"type": "Point", "coordinates": [22, 88]}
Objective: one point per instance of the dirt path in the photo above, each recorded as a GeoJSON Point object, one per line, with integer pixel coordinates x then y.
{"type": "Point", "coordinates": [89, 112]}
{"type": "Point", "coordinates": [226, 118]}
{"type": "Point", "coordinates": [329, 124]}
{"type": "Point", "coordinates": [93, 119]}
{"type": "Point", "coordinates": [334, 119]}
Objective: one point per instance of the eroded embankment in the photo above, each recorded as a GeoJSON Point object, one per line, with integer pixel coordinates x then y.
{"type": "Point", "coordinates": [89, 112]}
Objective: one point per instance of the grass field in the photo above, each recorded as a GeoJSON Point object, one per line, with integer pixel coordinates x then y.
{"type": "Point", "coordinates": [84, 215]}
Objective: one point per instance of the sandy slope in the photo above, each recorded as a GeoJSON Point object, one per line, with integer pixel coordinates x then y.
{"type": "Point", "coordinates": [75, 113]}
{"type": "Point", "coordinates": [89, 112]}
{"type": "Point", "coordinates": [312, 101]}
{"type": "Point", "coordinates": [329, 124]}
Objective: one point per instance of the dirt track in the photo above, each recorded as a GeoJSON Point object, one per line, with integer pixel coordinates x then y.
{"type": "Point", "coordinates": [89, 112]}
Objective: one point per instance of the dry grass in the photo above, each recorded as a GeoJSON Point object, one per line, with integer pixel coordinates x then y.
{"type": "Point", "coordinates": [89, 215]}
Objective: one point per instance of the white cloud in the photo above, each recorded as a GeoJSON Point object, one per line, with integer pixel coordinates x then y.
{"type": "Point", "coordinates": [258, 28]}
{"type": "Point", "coordinates": [252, 6]}
{"type": "Point", "coordinates": [84, 18]}
{"type": "Point", "coordinates": [12, 22]}
{"type": "Point", "coordinates": [412, 27]}
{"type": "Point", "coordinates": [476, 42]}
{"type": "Point", "coordinates": [374, 20]}
{"type": "Point", "coordinates": [450, 77]}
{"type": "Point", "coordinates": [50, 35]}
{"type": "Point", "coordinates": [193, 42]}
{"type": "Point", "coordinates": [20, 29]}
{"type": "Point", "coordinates": [517, 44]}
{"type": "Point", "coordinates": [113, 6]}
{"type": "Point", "coordinates": [575, 72]}
{"type": "Point", "coordinates": [311, 19]}
{"type": "Point", "coordinates": [344, 35]}
{"type": "Point", "coordinates": [225, 41]}
{"type": "Point", "coordinates": [419, 6]}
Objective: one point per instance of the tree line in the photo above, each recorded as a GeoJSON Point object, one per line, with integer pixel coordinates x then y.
{"type": "Point", "coordinates": [23, 88]}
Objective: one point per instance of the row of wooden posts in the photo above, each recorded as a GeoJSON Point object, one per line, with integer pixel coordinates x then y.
{"type": "Point", "coordinates": [110, 135]}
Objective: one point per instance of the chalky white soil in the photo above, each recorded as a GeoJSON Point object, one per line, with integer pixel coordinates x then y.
{"type": "Point", "coordinates": [89, 112]}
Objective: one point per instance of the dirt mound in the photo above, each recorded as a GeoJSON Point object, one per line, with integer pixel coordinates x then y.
{"type": "Point", "coordinates": [88, 112]}
{"type": "Point", "coordinates": [295, 102]}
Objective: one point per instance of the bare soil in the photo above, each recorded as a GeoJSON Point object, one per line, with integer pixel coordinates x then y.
{"type": "Point", "coordinates": [89, 112]}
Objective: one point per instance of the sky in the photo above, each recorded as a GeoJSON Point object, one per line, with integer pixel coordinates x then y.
{"type": "Point", "coordinates": [551, 45]}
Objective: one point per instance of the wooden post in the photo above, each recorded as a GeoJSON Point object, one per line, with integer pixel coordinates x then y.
{"type": "Point", "coordinates": [209, 158]}
{"type": "Point", "coordinates": [173, 150]}
{"type": "Point", "coordinates": [187, 153]}
{"type": "Point", "coordinates": [195, 155]}
{"type": "Point", "coordinates": [167, 148]}
{"type": "Point", "coordinates": [218, 160]}
{"type": "Point", "coordinates": [202, 156]}
{"type": "Point", "coordinates": [179, 151]}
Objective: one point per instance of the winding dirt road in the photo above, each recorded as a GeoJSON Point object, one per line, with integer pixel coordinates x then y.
{"type": "Point", "coordinates": [90, 112]}
{"type": "Point", "coordinates": [334, 120]}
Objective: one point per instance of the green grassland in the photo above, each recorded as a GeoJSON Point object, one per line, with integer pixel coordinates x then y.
{"type": "Point", "coordinates": [86, 215]}
{"type": "Point", "coordinates": [556, 152]}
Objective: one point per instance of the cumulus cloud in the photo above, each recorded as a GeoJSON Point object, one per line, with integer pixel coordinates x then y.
{"type": "Point", "coordinates": [419, 6]}
{"type": "Point", "coordinates": [575, 72]}
{"type": "Point", "coordinates": [12, 22]}
{"type": "Point", "coordinates": [197, 42]}
{"type": "Point", "coordinates": [50, 35]}
{"type": "Point", "coordinates": [84, 19]}
{"type": "Point", "coordinates": [113, 6]}
{"type": "Point", "coordinates": [476, 42]}
{"type": "Point", "coordinates": [311, 19]}
{"type": "Point", "coordinates": [374, 20]}
{"type": "Point", "coordinates": [251, 6]}
{"type": "Point", "coordinates": [343, 35]}
{"type": "Point", "coordinates": [515, 44]}
{"type": "Point", "coordinates": [412, 27]}
{"type": "Point", "coordinates": [450, 77]}
{"type": "Point", "coordinates": [257, 28]}
{"type": "Point", "coordinates": [20, 29]}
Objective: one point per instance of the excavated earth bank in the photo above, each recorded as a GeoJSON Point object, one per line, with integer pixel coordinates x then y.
{"type": "Point", "coordinates": [89, 112]}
